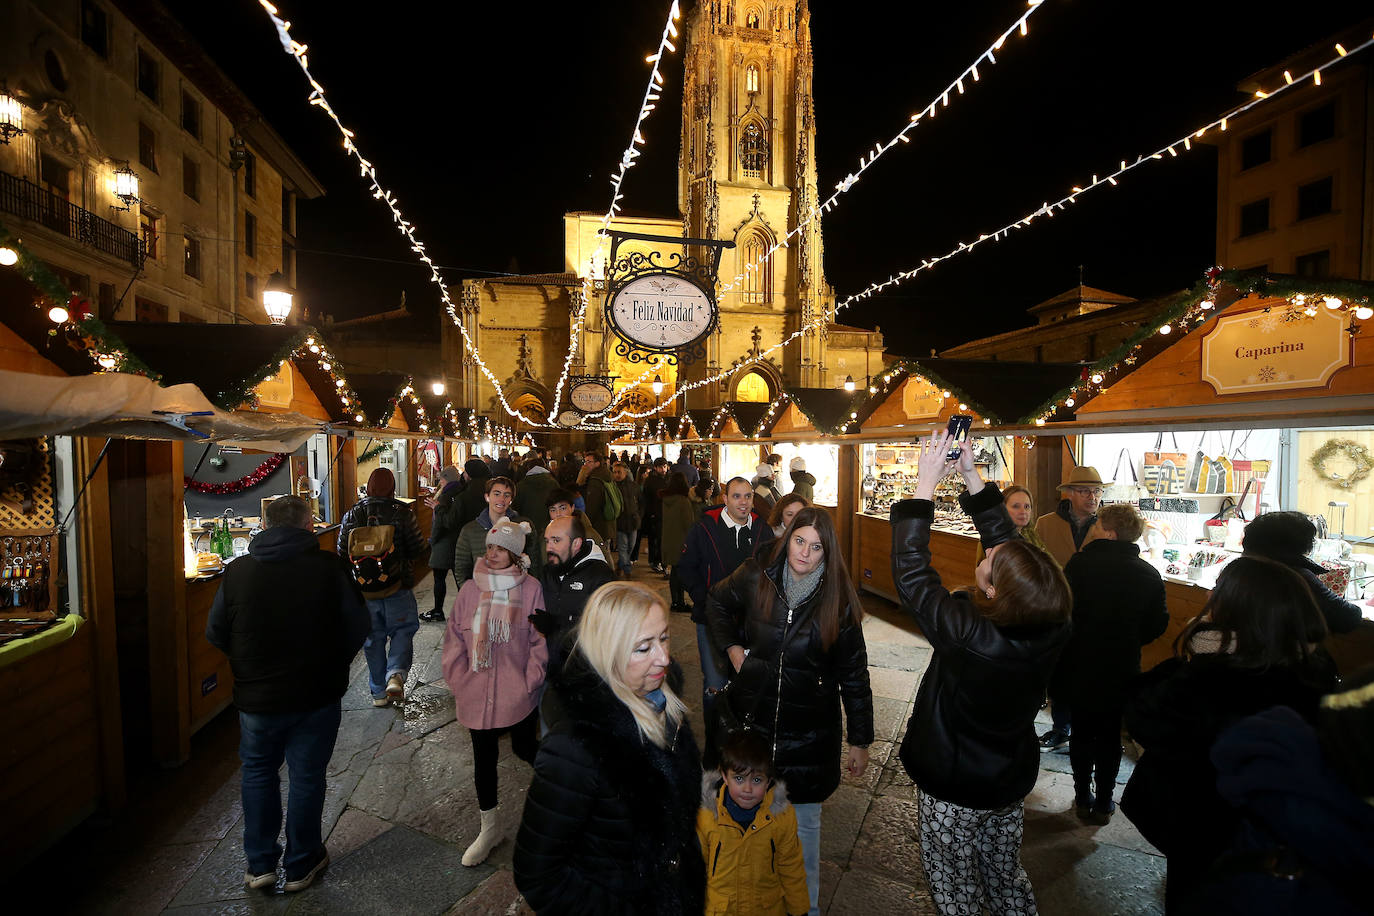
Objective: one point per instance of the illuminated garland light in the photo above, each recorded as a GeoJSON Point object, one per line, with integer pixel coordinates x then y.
{"type": "Point", "coordinates": [1048, 209]}
{"type": "Point", "coordinates": [940, 100]}
{"type": "Point", "coordinates": [366, 169]}
{"type": "Point", "coordinates": [652, 93]}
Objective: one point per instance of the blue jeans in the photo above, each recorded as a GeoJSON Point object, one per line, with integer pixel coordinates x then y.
{"type": "Point", "coordinates": [711, 676]}
{"type": "Point", "coordinates": [623, 540]}
{"type": "Point", "coordinates": [305, 740]}
{"type": "Point", "coordinates": [809, 832]}
{"type": "Point", "coordinates": [393, 619]}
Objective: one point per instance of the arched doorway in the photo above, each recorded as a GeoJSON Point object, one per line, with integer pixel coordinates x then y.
{"type": "Point", "coordinates": [753, 386]}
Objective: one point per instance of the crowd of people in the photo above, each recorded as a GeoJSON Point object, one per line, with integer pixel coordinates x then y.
{"type": "Point", "coordinates": [1255, 776]}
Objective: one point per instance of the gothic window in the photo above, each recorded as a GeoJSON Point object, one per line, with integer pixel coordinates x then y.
{"type": "Point", "coordinates": [758, 278]}
{"type": "Point", "coordinates": [751, 19]}
{"type": "Point", "coordinates": [753, 387]}
{"type": "Point", "coordinates": [751, 79]}
{"type": "Point", "coordinates": [753, 150]}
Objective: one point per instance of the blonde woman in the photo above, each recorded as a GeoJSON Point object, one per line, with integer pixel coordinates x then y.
{"type": "Point", "coordinates": [610, 820]}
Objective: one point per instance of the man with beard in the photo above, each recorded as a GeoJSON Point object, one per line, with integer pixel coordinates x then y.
{"type": "Point", "coordinates": [574, 567]}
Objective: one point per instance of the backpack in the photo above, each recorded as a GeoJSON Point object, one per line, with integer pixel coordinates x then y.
{"type": "Point", "coordinates": [614, 503]}
{"type": "Point", "coordinates": [377, 566]}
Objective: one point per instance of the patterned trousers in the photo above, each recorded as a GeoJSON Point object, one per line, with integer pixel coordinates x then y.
{"type": "Point", "coordinates": [972, 858]}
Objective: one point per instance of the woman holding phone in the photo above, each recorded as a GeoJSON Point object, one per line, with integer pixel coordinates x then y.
{"type": "Point", "coordinates": [970, 745]}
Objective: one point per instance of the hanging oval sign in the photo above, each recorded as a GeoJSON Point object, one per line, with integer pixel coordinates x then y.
{"type": "Point", "coordinates": [589, 397]}
{"type": "Point", "coordinates": [662, 311]}
{"type": "Point", "coordinates": [569, 418]}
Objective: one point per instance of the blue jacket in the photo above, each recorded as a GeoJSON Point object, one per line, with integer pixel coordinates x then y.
{"type": "Point", "coordinates": [706, 555]}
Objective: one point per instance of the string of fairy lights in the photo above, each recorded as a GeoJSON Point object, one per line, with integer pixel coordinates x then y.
{"type": "Point", "coordinates": [1170, 150]}
{"type": "Point", "coordinates": [652, 93]}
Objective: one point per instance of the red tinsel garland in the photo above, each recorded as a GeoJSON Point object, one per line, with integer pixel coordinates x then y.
{"type": "Point", "coordinates": [248, 482]}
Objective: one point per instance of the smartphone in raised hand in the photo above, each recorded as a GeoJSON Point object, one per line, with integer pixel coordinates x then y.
{"type": "Point", "coordinates": [959, 426]}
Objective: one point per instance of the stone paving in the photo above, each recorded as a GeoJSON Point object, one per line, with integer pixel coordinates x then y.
{"type": "Point", "coordinates": [401, 808]}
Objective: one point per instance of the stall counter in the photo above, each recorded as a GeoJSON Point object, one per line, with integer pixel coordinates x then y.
{"type": "Point", "coordinates": [953, 556]}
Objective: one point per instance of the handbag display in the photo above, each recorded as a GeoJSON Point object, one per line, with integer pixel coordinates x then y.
{"type": "Point", "coordinates": [1165, 472]}
{"type": "Point", "coordinates": [1120, 492]}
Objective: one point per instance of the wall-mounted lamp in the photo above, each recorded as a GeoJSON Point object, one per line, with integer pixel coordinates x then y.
{"type": "Point", "coordinates": [125, 186]}
{"type": "Point", "coordinates": [11, 114]}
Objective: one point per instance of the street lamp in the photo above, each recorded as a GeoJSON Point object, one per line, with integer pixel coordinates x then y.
{"type": "Point", "coordinates": [8, 256]}
{"type": "Point", "coordinates": [11, 114]}
{"type": "Point", "coordinates": [658, 390]}
{"type": "Point", "coordinates": [277, 298]}
{"type": "Point", "coordinates": [125, 186]}
{"type": "Point", "coordinates": [437, 388]}
{"type": "Point", "coordinates": [849, 383]}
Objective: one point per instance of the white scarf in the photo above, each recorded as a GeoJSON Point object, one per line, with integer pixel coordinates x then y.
{"type": "Point", "coordinates": [495, 609]}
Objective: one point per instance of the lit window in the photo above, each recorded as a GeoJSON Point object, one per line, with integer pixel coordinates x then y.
{"type": "Point", "coordinates": [751, 19]}
{"type": "Point", "coordinates": [751, 79]}
{"type": "Point", "coordinates": [758, 279]}
{"type": "Point", "coordinates": [753, 150]}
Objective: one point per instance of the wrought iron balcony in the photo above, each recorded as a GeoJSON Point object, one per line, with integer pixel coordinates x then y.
{"type": "Point", "coordinates": [29, 201]}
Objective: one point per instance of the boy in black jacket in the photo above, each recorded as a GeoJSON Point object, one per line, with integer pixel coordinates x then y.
{"type": "Point", "coordinates": [1118, 607]}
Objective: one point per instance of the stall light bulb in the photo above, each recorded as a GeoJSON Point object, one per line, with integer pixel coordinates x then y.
{"type": "Point", "coordinates": [8, 257]}
{"type": "Point", "coordinates": [324, 366]}
{"type": "Point", "coordinates": [1166, 329]}
{"type": "Point", "coordinates": [987, 422]}
{"type": "Point", "coordinates": [1333, 303]}
{"type": "Point", "coordinates": [58, 314]}
{"type": "Point", "coordinates": [1309, 311]}
{"type": "Point", "coordinates": [1068, 402]}
{"type": "Point", "coordinates": [358, 417]}
{"type": "Point", "coordinates": [1097, 378]}
{"type": "Point", "coordinates": [1364, 312]}
{"type": "Point", "coordinates": [963, 407]}
{"type": "Point", "coordinates": [338, 383]}
{"type": "Point", "coordinates": [1207, 305]}
{"type": "Point", "coordinates": [946, 394]}
{"type": "Point", "coordinates": [1039, 421]}
{"type": "Point", "coordinates": [314, 348]}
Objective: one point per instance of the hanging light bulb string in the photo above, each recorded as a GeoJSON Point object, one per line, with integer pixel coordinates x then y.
{"type": "Point", "coordinates": [942, 99]}
{"type": "Point", "coordinates": [1171, 150]}
{"type": "Point", "coordinates": [653, 91]}
{"type": "Point", "coordinates": [317, 99]}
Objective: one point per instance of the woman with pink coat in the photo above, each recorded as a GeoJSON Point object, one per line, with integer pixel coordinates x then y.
{"type": "Point", "coordinates": [494, 662]}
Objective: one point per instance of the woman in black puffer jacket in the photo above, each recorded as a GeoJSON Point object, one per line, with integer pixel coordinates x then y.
{"type": "Point", "coordinates": [610, 819]}
{"type": "Point", "coordinates": [790, 625]}
{"type": "Point", "coordinates": [970, 746]}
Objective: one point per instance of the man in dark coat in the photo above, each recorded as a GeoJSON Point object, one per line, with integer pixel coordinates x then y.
{"type": "Point", "coordinates": [443, 534]}
{"type": "Point", "coordinates": [627, 524]}
{"type": "Point", "coordinates": [1118, 607]}
{"type": "Point", "coordinates": [532, 494]}
{"type": "Point", "coordinates": [594, 492]}
{"type": "Point", "coordinates": [715, 547]}
{"type": "Point", "coordinates": [473, 498]}
{"type": "Point", "coordinates": [684, 464]}
{"type": "Point", "coordinates": [290, 618]}
{"type": "Point", "coordinates": [653, 511]}
{"type": "Point", "coordinates": [395, 618]}
{"type": "Point", "coordinates": [574, 567]}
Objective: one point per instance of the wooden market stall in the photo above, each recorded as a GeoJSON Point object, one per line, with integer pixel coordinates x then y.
{"type": "Point", "coordinates": [1262, 392]}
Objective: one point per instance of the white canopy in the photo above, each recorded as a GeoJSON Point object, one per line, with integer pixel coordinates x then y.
{"type": "Point", "coordinates": [119, 405]}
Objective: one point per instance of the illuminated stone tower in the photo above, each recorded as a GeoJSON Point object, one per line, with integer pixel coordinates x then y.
{"type": "Point", "coordinates": [748, 174]}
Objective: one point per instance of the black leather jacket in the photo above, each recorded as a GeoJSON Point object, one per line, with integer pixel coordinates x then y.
{"type": "Point", "coordinates": [971, 738]}
{"type": "Point", "coordinates": [798, 707]}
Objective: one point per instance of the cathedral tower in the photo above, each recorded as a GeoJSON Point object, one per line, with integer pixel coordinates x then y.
{"type": "Point", "coordinates": [748, 174]}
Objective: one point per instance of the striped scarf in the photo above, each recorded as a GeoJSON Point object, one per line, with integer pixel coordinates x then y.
{"type": "Point", "coordinates": [495, 609]}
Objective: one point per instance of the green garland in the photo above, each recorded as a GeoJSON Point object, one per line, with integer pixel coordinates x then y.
{"type": "Point", "coordinates": [1348, 449]}
{"type": "Point", "coordinates": [372, 452]}
{"type": "Point", "coordinates": [241, 392]}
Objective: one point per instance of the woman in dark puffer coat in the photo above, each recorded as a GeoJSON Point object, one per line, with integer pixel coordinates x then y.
{"type": "Point", "coordinates": [798, 606]}
{"type": "Point", "coordinates": [610, 819]}
{"type": "Point", "coordinates": [970, 746]}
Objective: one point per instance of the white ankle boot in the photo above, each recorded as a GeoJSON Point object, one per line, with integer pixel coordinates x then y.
{"type": "Point", "coordinates": [486, 841]}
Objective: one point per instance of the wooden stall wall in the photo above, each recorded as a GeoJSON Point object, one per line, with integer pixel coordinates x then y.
{"type": "Point", "coordinates": [952, 555]}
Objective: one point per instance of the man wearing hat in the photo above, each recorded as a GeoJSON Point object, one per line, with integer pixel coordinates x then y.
{"type": "Point", "coordinates": [803, 483]}
{"type": "Point", "coordinates": [1063, 532]}
{"type": "Point", "coordinates": [766, 492]}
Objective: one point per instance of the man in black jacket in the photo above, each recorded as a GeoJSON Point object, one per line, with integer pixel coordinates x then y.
{"type": "Point", "coordinates": [290, 618]}
{"type": "Point", "coordinates": [574, 567]}
{"type": "Point", "coordinates": [653, 511]}
{"type": "Point", "coordinates": [395, 616]}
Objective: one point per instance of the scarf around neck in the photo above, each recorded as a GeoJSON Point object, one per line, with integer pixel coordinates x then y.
{"type": "Point", "coordinates": [797, 589]}
{"type": "Point", "coordinates": [495, 609]}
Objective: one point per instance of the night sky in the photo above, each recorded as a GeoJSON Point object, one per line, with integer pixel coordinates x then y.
{"type": "Point", "coordinates": [490, 120]}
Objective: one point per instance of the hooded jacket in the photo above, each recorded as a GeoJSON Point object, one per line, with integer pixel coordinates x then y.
{"type": "Point", "coordinates": [609, 826]}
{"type": "Point", "coordinates": [709, 554]}
{"type": "Point", "coordinates": [758, 870]}
{"type": "Point", "coordinates": [443, 530]}
{"type": "Point", "coordinates": [793, 698]}
{"type": "Point", "coordinates": [1061, 537]}
{"type": "Point", "coordinates": [689, 470]}
{"type": "Point", "coordinates": [532, 496]}
{"type": "Point", "coordinates": [387, 510]}
{"type": "Point", "coordinates": [567, 587]}
{"type": "Point", "coordinates": [971, 739]}
{"type": "Point", "coordinates": [804, 485]}
{"type": "Point", "coordinates": [290, 618]}
{"type": "Point", "coordinates": [474, 496]}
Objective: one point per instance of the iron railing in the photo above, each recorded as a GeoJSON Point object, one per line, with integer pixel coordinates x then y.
{"type": "Point", "coordinates": [29, 201]}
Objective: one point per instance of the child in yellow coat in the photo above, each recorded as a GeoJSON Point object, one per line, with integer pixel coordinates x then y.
{"type": "Point", "coordinates": [748, 834]}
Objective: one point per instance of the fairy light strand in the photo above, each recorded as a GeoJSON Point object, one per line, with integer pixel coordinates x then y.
{"type": "Point", "coordinates": [1171, 150]}
{"type": "Point", "coordinates": [653, 91]}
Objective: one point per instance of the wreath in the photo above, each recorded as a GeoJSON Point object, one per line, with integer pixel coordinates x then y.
{"type": "Point", "coordinates": [246, 482]}
{"type": "Point", "coordinates": [1348, 449]}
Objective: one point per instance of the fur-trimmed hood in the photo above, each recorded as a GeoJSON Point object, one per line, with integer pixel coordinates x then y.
{"type": "Point", "coordinates": [711, 784]}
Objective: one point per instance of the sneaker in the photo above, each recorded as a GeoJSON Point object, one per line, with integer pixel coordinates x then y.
{"type": "Point", "coordinates": [1102, 812]}
{"type": "Point", "coordinates": [395, 687]}
{"type": "Point", "coordinates": [381, 701]}
{"type": "Point", "coordinates": [434, 616]}
{"type": "Point", "coordinates": [1054, 739]}
{"type": "Point", "coordinates": [1083, 805]}
{"type": "Point", "coordinates": [299, 884]}
{"type": "Point", "coordinates": [258, 882]}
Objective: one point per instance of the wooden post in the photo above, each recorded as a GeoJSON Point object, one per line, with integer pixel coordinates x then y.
{"type": "Point", "coordinates": [847, 499]}
{"type": "Point", "coordinates": [344, 478]}
{"type": "Point", "coordinates": [1044, 473]}
{"type": "Point", "coordinates": [170, 698]}
{"type": "Point", "coordinates": [95, 602]}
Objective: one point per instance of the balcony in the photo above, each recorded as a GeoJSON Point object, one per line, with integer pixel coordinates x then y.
{"type": "Point", "coordinates": [26, 200]}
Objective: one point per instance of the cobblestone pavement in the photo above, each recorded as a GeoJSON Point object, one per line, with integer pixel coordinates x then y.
{"type": "Point", "coordinates": [401, 808]}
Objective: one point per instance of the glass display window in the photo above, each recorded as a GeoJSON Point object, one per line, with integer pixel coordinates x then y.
{"type": "Point", "coordinates": [822, 462]}
{"type": "Point", "coordinates": [738, 461]}
{"type": "Point", "coordinates": [889, 475]}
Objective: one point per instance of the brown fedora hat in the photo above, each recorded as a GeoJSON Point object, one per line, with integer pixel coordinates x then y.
{"type": "Point", "coordinates": [1084, 476]}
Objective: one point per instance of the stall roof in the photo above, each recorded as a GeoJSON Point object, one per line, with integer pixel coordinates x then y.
{"type": "Point", "coordinates": [828, 409]}
{"type": "Point", "coordinates": [123, 406]}
{"type": "Point", "coordinates": [747, 415]}
{"type": "Point", "coordinates": [701, 418]}
{"type": "Point", "coordinates": [1000, 390]}
{"type": "Point", "coordinates": [377, 391]}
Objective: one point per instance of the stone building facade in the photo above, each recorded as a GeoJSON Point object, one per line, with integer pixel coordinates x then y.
{"type": "Point", "coordinates": [105, 85]}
